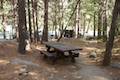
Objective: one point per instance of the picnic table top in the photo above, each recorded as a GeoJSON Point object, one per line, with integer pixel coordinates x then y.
{"type": "Point", "coordinates": [62, 46]}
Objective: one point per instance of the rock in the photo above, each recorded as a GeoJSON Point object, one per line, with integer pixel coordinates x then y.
{"type": "Point", "coordinates": [65, 76]}
{"type": "Point", "coordinates": [79, 77]}
{"type": "Point", "coordinates": [23, 71]}
{"type": "Point", "coordinates": [93, 54]}
{"type": "Point", "coordinates": [23, 74]}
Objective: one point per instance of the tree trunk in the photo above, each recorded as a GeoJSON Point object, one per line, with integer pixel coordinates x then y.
{"type": "Point", "coordinates": [33, 18]}
{"type": "Point", "coordinates": [3, 20]}
{"type": "Point", "coordinates": [99, 19]}
{"type": "Point", "coordinates": [109, 44]}
{"type": "Point", "coordinates": [84, 25]}
{"type": "Point", "coordinates": [55, 18]}
{"type": "Point", "coordinates": [29, 20]}
{"type": "Point", "coordinates": [45, 30]}
{"type": "Point", "coordinates": [61, 27]}
{"type": "Point", "coordinates": [94, 32]}
{"type": "Point", "coordinates": [36, 16]}
{"type": "Point", "coordinates": [77, 20]}
{"type": "Point", "coordinates": [60, 13]}
{"type": "Point", "coordinates": [22, 26]}
{"type": "Point", "coordinates": [15, 3]}
{"type": "Point", "coordinates": [88, 25]}
{"type": "Point", "coordinates": [3, 23]}
{"type": "Point", "coordinates": [14, 17]}
{"type": "Point", "coordinates": [105, 21]}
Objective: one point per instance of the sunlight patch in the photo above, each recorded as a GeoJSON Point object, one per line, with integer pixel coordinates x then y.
{"type": "Point", "coordinates": [4, 62]}
{"type": "Point", "coordinates": [100, 78]}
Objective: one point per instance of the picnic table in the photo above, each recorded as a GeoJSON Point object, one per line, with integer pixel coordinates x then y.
{"type": "Point", "coordinates": [59, 50]}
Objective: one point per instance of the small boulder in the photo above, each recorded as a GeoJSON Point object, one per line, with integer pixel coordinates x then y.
{"type": "Point", "coordinates": [93, 55]}
{"type": "Point", "coordinates": [23, 71]}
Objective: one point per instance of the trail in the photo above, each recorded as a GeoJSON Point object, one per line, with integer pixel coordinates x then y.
{"type": "Point", "coordinates": [92, 72]}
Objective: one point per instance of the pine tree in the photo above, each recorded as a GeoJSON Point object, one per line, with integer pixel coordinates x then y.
{"type": "Point", "coordinates": [22, 26]}
{"type": "Point", "coordinates": [109, 44]}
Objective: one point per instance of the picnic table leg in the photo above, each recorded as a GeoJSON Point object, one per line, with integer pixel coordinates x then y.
{"type": "Point", "coordinates": [48, 48]}
{"type": "Point", "coordinates": [60, 54]}
{"type": "Point", "coordinates": [72, 57]}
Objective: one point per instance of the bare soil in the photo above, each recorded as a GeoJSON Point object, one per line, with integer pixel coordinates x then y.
{"type": "Point", "coordinates": [32, 66]}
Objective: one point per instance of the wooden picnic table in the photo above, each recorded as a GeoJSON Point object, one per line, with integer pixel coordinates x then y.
{"type": "Point", "coordinates": [61, 48]}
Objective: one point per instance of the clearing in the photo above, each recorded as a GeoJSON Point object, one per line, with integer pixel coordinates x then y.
{"type": "Point", "coordinates": [32, 66]}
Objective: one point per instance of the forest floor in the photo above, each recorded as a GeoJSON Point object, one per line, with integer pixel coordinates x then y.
{"type": "Point", "coordinates": [32, 66]}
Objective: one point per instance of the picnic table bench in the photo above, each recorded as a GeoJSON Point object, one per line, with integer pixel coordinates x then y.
{"type": "Point", "coordinates": [56, 50]}
{"type": "Point", "coordinates": [51, 56]}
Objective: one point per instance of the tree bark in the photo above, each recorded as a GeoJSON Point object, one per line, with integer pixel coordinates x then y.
{"type": "Point", "coordinates": [29, 20]}
{"type": "Point", "coordinates": [45, 30]}
{"type": "Point", "coordinates": [22, 28]}
{"type": "Point", "coordinates": [33, 19]}
{"type": "Point", "coordinates": [94, 32]}
{"type": "Point", "coordinates": [14, 18]}
{"type": "Point", "coordinates": [84, 25]}
{"type": "Point", "coordinates": [100, 19]}
{"type": "Point", "coordinates": [105, 21]}
{"type": "Point", "coordinates": [109, 44]}
{"type": "Point", "coordinates": [56, 3]}
{"type": "Point", "coordinates": [36, 16]}
{"type": "Point", "coordinates": [3, 20]}
{"type": "Point", "coordinates": [77, 20]}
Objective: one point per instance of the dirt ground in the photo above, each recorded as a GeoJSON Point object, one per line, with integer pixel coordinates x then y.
{"type": "Point", "coordinates": [32, 66]}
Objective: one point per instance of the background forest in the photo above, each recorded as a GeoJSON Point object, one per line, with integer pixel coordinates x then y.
{"type": "Point", "coordinates": [89, 16]}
